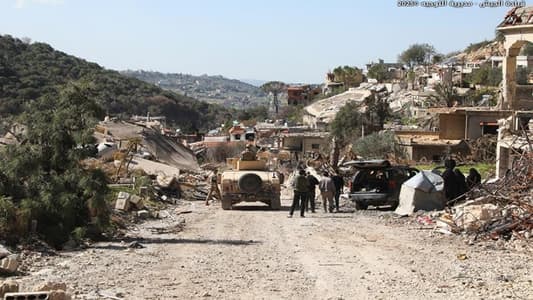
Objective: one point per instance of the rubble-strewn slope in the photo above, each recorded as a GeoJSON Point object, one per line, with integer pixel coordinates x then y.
{"type": "Point", "coordinates": [481, 51]}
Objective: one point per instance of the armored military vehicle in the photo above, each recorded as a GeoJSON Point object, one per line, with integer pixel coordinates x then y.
{"type": "Point", "coordinates": [250, 181]}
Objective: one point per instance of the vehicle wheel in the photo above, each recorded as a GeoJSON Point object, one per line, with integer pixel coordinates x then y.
{"type": "Point", "coordinates": [250, 183]}
{"type": "Point", "coordinates": [226, 203]}
{"type": "Point", "coordinates": [360, 206]}
{"type": "Point", "coordinates": [275, 204]}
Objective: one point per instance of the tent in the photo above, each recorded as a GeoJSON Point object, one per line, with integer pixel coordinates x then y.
{"type": "Point", "coordinates": [424, 191]}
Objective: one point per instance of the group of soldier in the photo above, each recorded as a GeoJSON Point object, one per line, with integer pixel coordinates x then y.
{"type": "Point", "coordinates": [304, 188]}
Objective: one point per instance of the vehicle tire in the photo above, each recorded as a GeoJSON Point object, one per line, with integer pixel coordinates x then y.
{"type": "Point", "coordinates": [250, 183]}
{"type": "Point", "coordinates": [360, 206]}
{"type": "Point", "coordinates": [275, 203]}
{"type": "Point", "coordinates": [226, 203]}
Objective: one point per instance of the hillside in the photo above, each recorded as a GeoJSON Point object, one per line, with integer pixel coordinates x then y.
{"type": "Point", "coordinates": [29, 71]}
{"type": "Point", "coordinates": [481, 51]}
{"type": "Point", "coordinates": [212, 89]}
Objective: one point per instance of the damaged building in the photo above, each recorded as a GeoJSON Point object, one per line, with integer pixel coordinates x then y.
{"type": "Point", "coordinates": [514, 136]}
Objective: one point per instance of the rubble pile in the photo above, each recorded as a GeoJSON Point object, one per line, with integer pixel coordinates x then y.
{"type": "Point", "coordinates": [499, 210]}
{"type": "Point", "coordinates": [483, 148]}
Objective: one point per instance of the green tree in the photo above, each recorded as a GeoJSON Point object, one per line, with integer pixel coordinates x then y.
{"type": "Point", "coordinates": [275, 88]}
{"type": "Point", "coordinates": [43, 177]}
{"type": "Point", "coordinates": [485, 75]}
{"type": "Point", "coordinates": [445, 94]}
{"type": "Point", "coordinates": [379, 72]}
{"type": "Point", "coordinates": [417, 54]}
{"type": "Point", "coordinates": [378, 146]}
{"type": "Point", "coordinates": [350, 76]}
{"type": "Point", "coordinates": [527, 49]}
{"type": "Point", "coordinates": [379, 109]}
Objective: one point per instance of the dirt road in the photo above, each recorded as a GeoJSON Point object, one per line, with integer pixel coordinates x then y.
{"type": "Point", "coordinates": [253, 253]}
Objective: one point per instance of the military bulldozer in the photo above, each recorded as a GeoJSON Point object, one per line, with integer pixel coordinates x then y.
{"type": "Point", "coordinates": [249, 181]}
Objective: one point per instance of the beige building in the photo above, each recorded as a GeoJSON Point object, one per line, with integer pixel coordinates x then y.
{"type": "Point", "coordinates": [468, 123]}
{"type": "Point", "coordinates": [428, 146]}
{"type": "Point", "coordinates": [304, 142]}
{"type": "Point", "coordinates": [517, 28]}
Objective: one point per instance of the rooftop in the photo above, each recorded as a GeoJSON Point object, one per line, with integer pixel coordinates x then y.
{"type": "Point", "coordinates": [317, 134]}
{"type": "Point", "coordinates": [517, 17]}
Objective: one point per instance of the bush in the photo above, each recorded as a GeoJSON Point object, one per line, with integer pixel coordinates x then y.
{"type": "Point", "coordinates": [379, 145]}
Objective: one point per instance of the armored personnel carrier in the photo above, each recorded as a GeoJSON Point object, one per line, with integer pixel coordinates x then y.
{"type": "Point", "coordinates": [249, 181]}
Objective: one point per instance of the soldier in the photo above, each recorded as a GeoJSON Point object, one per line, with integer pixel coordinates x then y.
{"type": "Point", "coordinates": [213, 190]}
{"type": "Point", "coordinates": [248, 154]}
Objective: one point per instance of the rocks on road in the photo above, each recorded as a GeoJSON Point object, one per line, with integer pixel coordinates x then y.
{"type": "Point", "coordinates": [251, 252]}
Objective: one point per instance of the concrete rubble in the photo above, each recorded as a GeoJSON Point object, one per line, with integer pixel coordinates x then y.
{"type": "Point", "coordinates": [9, 264]}
{"type": "Point", "coordinates": [500, 210]}
{"type": "Point", "coordinates": [50, 294]}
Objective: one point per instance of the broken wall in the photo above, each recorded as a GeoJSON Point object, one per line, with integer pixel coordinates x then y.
{"type": "Point", "coordinates": [452, 126]}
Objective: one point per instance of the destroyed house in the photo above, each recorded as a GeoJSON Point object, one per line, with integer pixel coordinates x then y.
{"type": "Point", "coordinates": [428, 146]}
{"type": "Point", "coordinates": [304, 142]}
{"type": "Point", "coordinates": [517, 27]}
{"type": "Point", "coordinates": [468, 123]}
{"type": "Point", "coordinates": [297, 95]}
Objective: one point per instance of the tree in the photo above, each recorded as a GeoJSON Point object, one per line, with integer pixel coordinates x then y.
{"type": "Point", "coordinates": [42, 176]}
{"type": "Point", "coordinates": [485, 75]}
{"type": "Point", "coordinates": [345, 127]}
{"type": "Point", "coordinates": [437, 59]}
{"type": "Point", "coordinates": [379, 108]}
{"type": "Point", "coordinates": [378, 146]}
{"type": "Point", "coordinates": [527, 49]}
{"type": "Point", "coordinates": [379, 72]}
{"type": "Point", "coordinates": [417, 54]}
{"type": "Point", "coordinates": [275, 88]}
{"type": "Point", "coordinates": [445, 93]}
{"type": "Point", "coordinates": [350, 76]}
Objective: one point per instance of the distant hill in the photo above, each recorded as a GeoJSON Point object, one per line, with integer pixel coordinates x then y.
{"type": "Point", "coordinates": [29, 71]}
{"type": "Point", "coordinates": [254, 82]}
{"type": "Point", "coordinates": [213, 89]}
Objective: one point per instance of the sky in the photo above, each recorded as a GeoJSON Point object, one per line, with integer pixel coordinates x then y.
{"type": "Point", "coordinates": [295, 41]}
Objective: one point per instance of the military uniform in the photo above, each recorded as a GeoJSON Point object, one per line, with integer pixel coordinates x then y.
{"type": "Point", "coordinates": [213, 190]}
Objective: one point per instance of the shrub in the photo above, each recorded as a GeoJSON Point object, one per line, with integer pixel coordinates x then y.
{"type": "Point", "coordinates": [379, 145]}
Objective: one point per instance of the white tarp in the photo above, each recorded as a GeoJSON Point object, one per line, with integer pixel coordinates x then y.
{"type": "Point", "coordinates": [424, 191]}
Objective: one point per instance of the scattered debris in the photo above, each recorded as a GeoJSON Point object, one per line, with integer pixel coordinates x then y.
{"type": "Point", "coordinates": [4, 252]}
{"type": "Point", "coordinates": [9, 264]}
{"type": "Point", "coordinates": [122, 202]}
{"type": "Point", "coordinates": [143, 214]}
{"type": "Point", "coordinates": [8, 287]}
{"type": "Point", "coordinates": [135, 245]}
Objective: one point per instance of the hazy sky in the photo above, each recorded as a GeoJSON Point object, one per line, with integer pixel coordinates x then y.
{"type": "Point", "coordinates": [291, 40]}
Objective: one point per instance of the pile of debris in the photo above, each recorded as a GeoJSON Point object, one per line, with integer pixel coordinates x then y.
{"type": "Point", "coordinates": [48, 290]}
{"type": "Point", "coordinates": [9, 262]}
{"type": "Point", "coordinates": [500, 210]}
